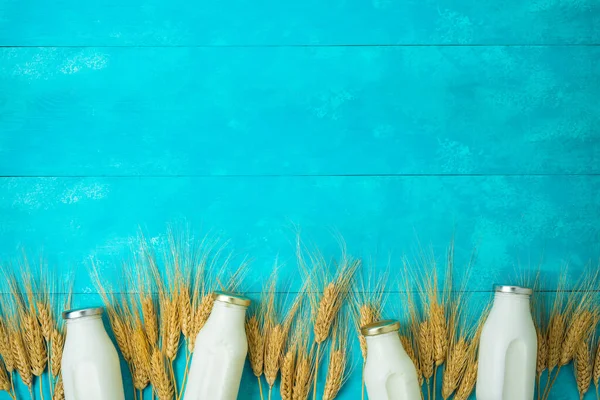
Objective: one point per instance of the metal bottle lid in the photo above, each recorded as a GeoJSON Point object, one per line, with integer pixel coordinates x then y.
{"type": "Point", "coordinates": [380, 327]}
{"type": "Point", "coordinates": [82, 312]}
{"type": "Point", "coordinates": [232, 298]}
{"type": "Point", "coordinates": [513, 289]}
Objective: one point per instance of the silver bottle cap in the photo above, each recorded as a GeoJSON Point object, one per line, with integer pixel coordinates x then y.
{"type": "Point", "coordinates": [380, 327]}
{"type": "Point", "coordinates": [82, 312]}
{"type": "Point", "coordinates": [513, 289]}
{"type": "Point", "coordinates": [232, 298]}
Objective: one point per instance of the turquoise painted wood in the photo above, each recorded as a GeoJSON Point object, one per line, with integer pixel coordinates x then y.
{"type": "Point", "coordinates": [297, 22]}
{"type": "Point", "coordinates": [396, 124]}
{"type": "Point", "coordinates": [309, 111]}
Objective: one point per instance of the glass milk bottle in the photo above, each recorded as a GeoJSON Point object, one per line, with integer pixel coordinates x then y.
{"type": "Point", "coordinates": [389, 373]}
{"type": "Point", "coordinates": [508, 348]}
{"type": "Point", "coordinates": [90, 363]}
{"type": "Point", "coordinates": [220, 351]}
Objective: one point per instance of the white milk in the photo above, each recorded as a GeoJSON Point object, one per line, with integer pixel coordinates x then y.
{"type": "Point", "coordinates": [220, 351]}
{"type": "Point", "coordinates": [90, 363]}
{"type": "Point", "coordinates": [508, 348]}
{"type": "Point", "coordinates": [389, 372]}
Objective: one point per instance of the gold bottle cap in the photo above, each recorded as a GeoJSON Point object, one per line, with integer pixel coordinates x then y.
{"type": "Point", "coordinates": [232, 298]}
{"type": "Point", "coordinates": [380, 327]}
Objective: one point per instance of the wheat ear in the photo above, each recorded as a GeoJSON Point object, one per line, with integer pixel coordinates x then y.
{"type": "Point", "coordinates": [579, 326]}
{"type": "Point", "coordinates": [336, 369]}
{"type": "Point", "coordinates": [596, 371]}
{"type": "Point", "coordinates": [161, 382]}
{"type": "Point", "coordinates": [57, 344]}
{"type": "Point", "coordinates": [21, 358]}
{"type": "Point", "coordinates": [59, 390]}
{"type": "Point", "coordinates": [274, 344]}
{"type": "Point", "coordinates": [141, 358]}
{"type": "Point", "coordinates": [467, 382]}
{"type": "Point", "coordinates": [583, 368]}
{"type": "Point", "coordinates": [425, 340]}
{"type": "Point", "coordinates": [556, 333]}
{"type": "Point", "coordinates": [542, 352]}
{"type": "Point", "coordinates": [455, 366]}
{"type": "Point", "coordinates": [303, 376]}
{"type": "Point", "coordinates": [287, 375]}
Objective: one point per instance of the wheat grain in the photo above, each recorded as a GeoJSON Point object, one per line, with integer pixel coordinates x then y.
{"type": "Point", "coordinates": [59, 390]}
{"type": "Point", "coordinates": [22, 364]}
{"type": "Point", "coordinates": [335, 374]}
{"type": "Point", "coordinates": [302, 378]}
{"type": "Point", "coordinates": [467, 382]}
{"type": "Point", "coordinates": [596, 371]}
{"type": "Point", "coordinates": [455, 366]}
{"type": "Point", "coordinates": [45, 319]}
{"type": "Point", "coordinates": [274, 343]}
{"type": "Point", "coordinates": [4, 380]}
{"type": "Point", "coordinates": [5, 348]}
{"type": "Point", "coordinates": [328, 307]}
{"type": "Point", "coordinates": [141, 359]}
{"type": "Point", "coordinates": [439, 327]}
{"type": "Point", "coordinates": [57, 344]}
{"type": "Point", "coordinates": [172, 330]}
{"type": "Point", "coordinates": [425, 340]}
{"type": "Point", "coordinates": [583, 368]}
{"type": "Point", "coordinates": [580, 324]}
{"type": "Point", "coordinates": [163, 387]}
{"type": "Point", "coordinates": [287, 375]}
{"type": "Point", "coordinates": [367, 315]}
{"type": "Point", "coordinates": [201, 315]}
{"type": "Point", "coordinates": [556, 332]}
{"type": "Point", "coordinates": [34, 342]}
{"type": "Point", "coordinates": [186, 313]}
{"type": "Point", "coordinates": [256, 345]}
{"type": "Point", "coordinates": [542, 352]}
{"type": "Point", "coordinates": [150, 319]}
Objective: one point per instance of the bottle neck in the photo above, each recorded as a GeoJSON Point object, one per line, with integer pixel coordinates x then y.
{"type": "Point", "coordinates": [382, 342]}
{"type": "Point", "coordinates": [227, 315]}
{"type": "Point", "coordinates": [511, 301]}
{"type": "Point", "coordinates": [85, 325]}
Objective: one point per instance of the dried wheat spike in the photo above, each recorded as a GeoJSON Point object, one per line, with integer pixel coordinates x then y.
{"type": "Point", "coordinates": [439, 326]}
{"type": "Point", "coordinates": [556, 332]}
{"type": "Point", "coordinates": [455, 366]}
{"type": "Point", "coordinates": [328, 307]}
{"type": "Point", "coordinates": [4, 380]}
{"type": "Point", "coordinates": [583, 368]}
{"type": "Point", "coordinates": [287, 375]}
{"type": "Point", "coordinates": [173, 330]}
{"type": "Point", "coordinates": [185, 313]}
{"type": "Point", "coordinates": [21, 358]}
{"type": "Point", "coordinates": [367, 316]}
{"type": "Point", "coordinates": [596, 372]}
{"type": "Point", "coordinates": [256, 345]}
{"type": "Point", "coordinates": [36, 346]}
{"type": "Point", "coordinates": [410, 351]}
{"type": "Point", "coordinates": [141, 359]}
{"type": "Point", "coordinates": [59, 390]}
{"type": "Point", "coordinates": [200, 317]}
{"type": "Point", "coordinates": [425, 341]}
{"type": "Point", "coordinates": [45, 318]}
{"type": "Point", "coordinates": [6, 349]}
{"type": "Point", "coordinates": [542, 353]}
{"type": "Point", "coordinates": [122, 335]}
{"type": "Point", "coordinates": [467, 383]}
{"type": "Point", "coordinates": [302, 380]}
{"type": "Point", "coordinates": [161, 383]}
{"type": "Point", "coordinates": [579, 326]}
{"type": "Point", "coordinates": [274, 343]}
{"type": "Point", "coordinates": [57, 344]}
{"type": "Point", "coordinates": [150, 319]}
{"type": "Point", "coordinates": [335, 374]}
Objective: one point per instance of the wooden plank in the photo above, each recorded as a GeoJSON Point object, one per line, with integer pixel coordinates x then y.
{"type": "Point", "coordinates": [269, 22]}
{"type": "Point", "coordinates": [217, 111]}
{"type": "Point", "coordinates": [514, 222]}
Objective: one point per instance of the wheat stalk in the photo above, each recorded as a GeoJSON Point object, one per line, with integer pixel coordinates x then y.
{"type": "Point", "coordinates": [583, 368]}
